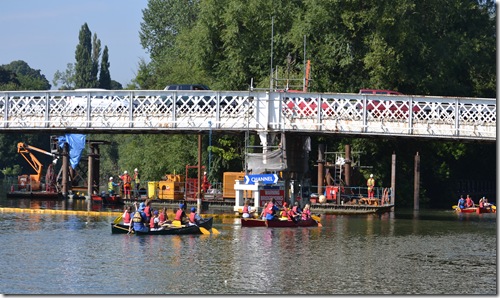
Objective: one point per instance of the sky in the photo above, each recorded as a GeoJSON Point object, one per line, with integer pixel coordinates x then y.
{"type": "Point", "coordinates": [44, 34]}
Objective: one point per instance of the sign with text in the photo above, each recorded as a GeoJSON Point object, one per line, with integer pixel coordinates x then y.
{"type": "Point", "coordinates": [262, 178]}
{"type": "Point", "coordinates": [267, 194]}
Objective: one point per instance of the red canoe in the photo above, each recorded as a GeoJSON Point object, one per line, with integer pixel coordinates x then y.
{"type": "Point", "coordinates": [252, 222]}
{"type": "Point", "coordinates": [476, 210]}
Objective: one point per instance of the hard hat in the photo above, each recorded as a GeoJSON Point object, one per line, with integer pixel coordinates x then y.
{"type": "Point", "coordinates": [371, 175]}
{"type": "Point", "coordinates": [156, 212]}
{"type": "Point", "coordinates": [181, 206]}
{"type": "Point", "coordinates": [110, 178]}
{"type": "Point", "coordinates": [125, 172]}
{"type": "Point", "coordinates": [193, 209]}
{"type": "Point", "coordinates": [135, 170]}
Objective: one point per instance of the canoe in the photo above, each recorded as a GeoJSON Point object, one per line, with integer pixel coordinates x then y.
{"type": "Point", "coordinates": [291, 224]}
{"type": "Point", "coordinates": [184, 230]}
{"type": "Point", "coordinates": [107, 199]}
{"type": "Point", "coordinates": [253, 222]}
{"type": "Point", "coordinates": [477, 210]}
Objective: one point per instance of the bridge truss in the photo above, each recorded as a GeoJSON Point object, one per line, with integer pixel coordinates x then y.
{"type": "Point", "coordinates": [155, 111]}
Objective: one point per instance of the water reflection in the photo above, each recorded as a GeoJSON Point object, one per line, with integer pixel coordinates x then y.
{"type": "Point", "coordinates": [428, 252]}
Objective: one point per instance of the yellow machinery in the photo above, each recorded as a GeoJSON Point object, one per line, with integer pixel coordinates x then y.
{"type": "Point", "coordinates": [172, 188]}
{"type": "Point", "coordinates": [31, 182]}
{"type": "Point", "coordinates": [228, 182]}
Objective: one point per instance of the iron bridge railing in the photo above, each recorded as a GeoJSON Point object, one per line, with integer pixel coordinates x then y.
{"type": "Point", "coordinates": [150, 111]}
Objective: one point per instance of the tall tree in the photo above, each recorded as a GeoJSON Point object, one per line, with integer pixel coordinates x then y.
{"type": "Point", "coordinates": [104, 75]}
{"type": "Point", "coordinates": [96, 53]}
{"type": "Point", "coordinates": [83, 56]}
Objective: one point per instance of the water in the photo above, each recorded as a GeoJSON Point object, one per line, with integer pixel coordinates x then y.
{"type": "Point", "coordinates": [432, 252]}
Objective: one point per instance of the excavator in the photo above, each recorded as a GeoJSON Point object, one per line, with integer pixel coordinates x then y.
{"type": "Point", "coordinates": [33, 182]}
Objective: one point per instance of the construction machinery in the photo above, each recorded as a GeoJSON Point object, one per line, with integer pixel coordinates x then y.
{"type": "Point", "coordinates": [33, 182]}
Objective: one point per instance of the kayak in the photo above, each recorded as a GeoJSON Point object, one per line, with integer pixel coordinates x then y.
{"type": "Point", "coordinates": [167, 230]}
{"type": "Point", "coordinates": [253, 222]}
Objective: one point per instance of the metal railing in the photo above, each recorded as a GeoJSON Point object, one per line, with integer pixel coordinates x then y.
{"type": "Point", "coordinates": [151, 111]}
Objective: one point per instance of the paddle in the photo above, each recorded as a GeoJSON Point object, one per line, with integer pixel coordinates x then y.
{"type": "Point", "coordinates": [215, 231]}
{"type": "Point", "coordinates": [122, 228]}
{"type": "Point", "coordinates": [204, 231]}
{"type": "Point", "coordinates": [454, 207]}
{"type": "Point", "coordinates": [316, 218]}
{"type": "Point", "coordinates": [118, 219]}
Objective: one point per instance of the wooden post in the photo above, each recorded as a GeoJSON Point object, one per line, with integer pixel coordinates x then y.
{"type": "Point", "coordinates": [65, 169]}
{"type": "Point", "coordinates": [393, 179]}
{"type": "Point", "coordinates": [90, 178]}
{"type": "Point", "coordinates": [347, 165]}
{"type": "Point", "coordinates": [416, 188]}
{"type": "Point", "coordinates": [321, 162]}
{"type": "Point", "coordinates": [198, 200]}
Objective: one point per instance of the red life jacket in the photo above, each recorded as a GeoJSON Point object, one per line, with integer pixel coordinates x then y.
{"type": "Point", "coordinates": [126, 217]}
{"type": "Point", "coordinates": [294, 209]}
{"type": "Point", "coordinates": [245, 209]}
{"type": "Point", "coordinates": [162, 216]}
{"type": "Point", "coordinates": [191, 217]}
{"type": "Point", "coordinates": [147, 210]}
{"type": "Point", "coordinates": [178, 214]}
{"type": "Point", "coordinates": [152, 222]}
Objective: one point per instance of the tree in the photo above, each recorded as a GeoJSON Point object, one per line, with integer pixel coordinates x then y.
{"type": "Point", "coordinates": [8, 80]}
{"type": "Point", "coordinates": [28, 78]}
{"type": "Point", "coordinates": [104, 75]}
{"type": "Point", "coordinates": [84, 64]}
{"type": "Point", "coordinates": [66, 78]}
{"type": "Point", "coordinates": [96, 52]}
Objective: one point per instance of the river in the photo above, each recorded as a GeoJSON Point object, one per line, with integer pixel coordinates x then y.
{"type": "Point", "coordinates": [402, 252]}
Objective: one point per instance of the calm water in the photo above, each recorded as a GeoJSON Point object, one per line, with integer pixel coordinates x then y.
{"type": "Point", "coordinates": [436, 252]}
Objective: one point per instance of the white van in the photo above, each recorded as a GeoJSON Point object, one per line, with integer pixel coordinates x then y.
{"type": "Point", "coordinates": [100, 101]}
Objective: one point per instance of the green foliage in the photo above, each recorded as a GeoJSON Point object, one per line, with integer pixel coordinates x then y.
{"type": "Point", "coordinates": [66, 78]}
{"type": "Point", "coordinates": [25, 77]}
{"type": "Point", "coordinates": [83, 57]}
{"type": "Point", "coordinates": [104, 75]}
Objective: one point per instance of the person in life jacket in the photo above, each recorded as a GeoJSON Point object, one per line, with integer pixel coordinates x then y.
{"type": "Point", "coordinates": [264, 211]}
{"type": "Point", "coordinates": [111, 186]}
{"type": "Point", "coordinates": [461, 202]}
{"type": "Point", "coordinates": [147, 210]}
{"type": "Point", "coordinates": [285, 212]}
{"type": "Point", "coordinates": [272, 210]}
{"type": "Point", "coordinates": [154, 222]}
{"type": "Point", "coordinates": [306, 213]}
{"type": "Point", "coordinates": [137, 182]}
{"type": "Point", "coordinates": [247, 210]}
{"type": "Point", "coordinates": [180, 216]}
{"type": "Point", "coordinates": [194, 218]}
{"type": "Point", "coordinates": [127, 184]}
{"type": "Point", "coordinates": [164, 217]}
{"type": "Point", "coordinates": [127, 215]}
{"type": "Point", "coordinates": [139, 219]}
{"type": "Point", "coordinates": [295, 212]}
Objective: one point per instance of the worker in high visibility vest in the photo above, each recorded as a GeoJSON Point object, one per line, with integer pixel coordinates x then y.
{"type": "Point", "coordinates": [371, 185]}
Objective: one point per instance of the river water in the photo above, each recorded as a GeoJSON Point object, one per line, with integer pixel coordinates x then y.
{"type": "Point", "coordinates": [402, 252]}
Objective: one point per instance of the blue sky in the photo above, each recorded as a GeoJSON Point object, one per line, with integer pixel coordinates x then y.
{"type": "Point", "coordinates": [44, 34]}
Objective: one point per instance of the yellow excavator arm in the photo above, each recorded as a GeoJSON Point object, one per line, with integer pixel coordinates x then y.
{"type": "Point", "coordinates": [26, 151]}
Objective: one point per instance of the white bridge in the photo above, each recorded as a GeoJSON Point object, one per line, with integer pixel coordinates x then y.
{"type": "Point", "coordinates": [155, 111]}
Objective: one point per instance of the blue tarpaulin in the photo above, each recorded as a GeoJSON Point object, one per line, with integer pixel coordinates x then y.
{"type": "Point", "coordinates": [76, 144]}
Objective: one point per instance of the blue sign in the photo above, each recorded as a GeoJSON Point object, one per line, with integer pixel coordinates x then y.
{"type": "Point", "coordinates": [262, 178]}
